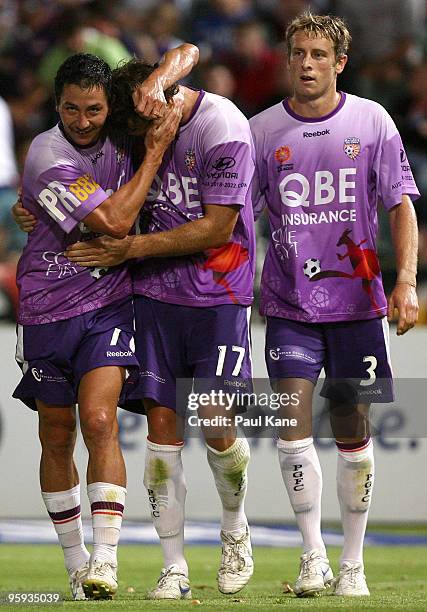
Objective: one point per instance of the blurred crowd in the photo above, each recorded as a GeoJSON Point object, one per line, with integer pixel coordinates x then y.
{"type": "Point", "coordinates": [242, 56]}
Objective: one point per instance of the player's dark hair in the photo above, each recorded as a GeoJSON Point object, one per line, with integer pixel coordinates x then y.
{"type": "Point", "coordinates": [321, 26]}
{"type": "Point", "coordinates": [126, 78]}
{"type": "Point", "coordinates": [85, 70]}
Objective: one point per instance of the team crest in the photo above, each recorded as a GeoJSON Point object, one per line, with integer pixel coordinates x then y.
{"type": "Point", "coordinates": [190, 159]}
{"type": "Point", "coordinates": [352, 147]}
{"type": "Point", "coordinates": [120, 156]}
{"type": "Point", "coordinates": [283, 154]}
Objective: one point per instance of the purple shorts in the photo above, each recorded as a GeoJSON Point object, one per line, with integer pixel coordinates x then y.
{"type": "Point", "coordinates": [210, 346]}
{"type": "Point", "coordinates": [54, 356]}
{"type": "Point", "coordinates": [355, 355]}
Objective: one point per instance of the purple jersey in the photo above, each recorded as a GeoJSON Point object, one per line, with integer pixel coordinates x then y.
{"type": "Point", "coordinates": [62, 184]}
{"type": "Point", "coordinates": [321, 180]}
{"type": "Point", "coordinates": [211, 162]}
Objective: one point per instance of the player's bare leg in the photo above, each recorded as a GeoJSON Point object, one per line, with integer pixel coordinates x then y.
{"type": "Point", "coordinates": [60, 487]}
{"type": "Point", "coordinates": [57, 433]}
{"type": "Point", "coordinates": [228, 458]}
{"type": "Point", "coordinates": [166, 488]}
{"type": "Point", "coordinates": [99, 392]}
{"type": "Point", "coordinates": [355, 480]}
{"type": "Point", "coordinates": [302, 476]}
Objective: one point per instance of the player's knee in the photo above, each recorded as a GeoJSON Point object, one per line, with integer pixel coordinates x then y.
{"type": "Point", "coordinates": [287, 449]}
{"type": "Point", "coordinates": [57, 435]}
{"type": "Point", "coordinates": [99, 427]}
{"type": "Point", "coordinates": [163, 429]}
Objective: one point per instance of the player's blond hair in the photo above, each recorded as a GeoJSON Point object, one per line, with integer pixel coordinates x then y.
{"type": "Point", "coordinates": [321, 26]}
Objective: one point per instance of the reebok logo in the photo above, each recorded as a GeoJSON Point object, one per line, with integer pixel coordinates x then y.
{"type": "Point", "coordinates": [314, 134]}
{"type": "Point", "coordinates": [119, 353]}
{"type": "Point", "coordinates": [96, 157]}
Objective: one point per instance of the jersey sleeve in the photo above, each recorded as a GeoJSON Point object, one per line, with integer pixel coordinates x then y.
{"type": "Point", "coordinates": [68, 195]}
{"type": "Point", "coordinates": [259, 184]}
{"type": "Point", "coordinates": [228, 173]}
{"type": "Point", "coordinates": [394, 173]}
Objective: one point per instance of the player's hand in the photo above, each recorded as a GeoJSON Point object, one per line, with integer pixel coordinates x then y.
{"type": "Point", "coordinates": [102, 252]}
{"type": "Point", "coordinates": [161, 132]}
{"type": "Point", "coordinates": [22, 217]}
{"type": "Point", "coordinates": [149, 99]}
{"type": "Point", "coordinates": [404, 299]}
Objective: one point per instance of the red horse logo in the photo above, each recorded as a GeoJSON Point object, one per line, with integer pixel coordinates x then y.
{"type": "Point", "coordinates": [225, 259]}
{"type": "Point", "coordinates": [364, 262]}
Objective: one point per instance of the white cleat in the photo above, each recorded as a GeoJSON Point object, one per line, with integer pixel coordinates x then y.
{"type": "Point", "coordinates": [314, 576]}
{"type": "Point", "coordinates": [237, 565]}
{"type": "Point", "coordinates": [101, 580]}
{"type": "Point", "coordinates": [76, 583]}
{"type": "Point", "coordinates": [351, 581]}
{"type": "Point", "coordinates": [173, 583]}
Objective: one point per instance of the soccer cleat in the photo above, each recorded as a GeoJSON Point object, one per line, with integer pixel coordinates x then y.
{"type": "Point", "coordinates": [172, 584]}
{"type": "Point", "coordinates": [237, 564]}
{"type": "Point", "coordinates": [76, 582]}
{"type": "Point", "coordinates": [351, 581]}
{"type": "Point", "coordinates": [314, 576]}
{"type": "Point", "coordinates": [101, 580]}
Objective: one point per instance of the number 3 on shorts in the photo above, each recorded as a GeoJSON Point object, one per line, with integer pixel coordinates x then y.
{"type": "Point", "coordinates": [365, 382]}
{"type": "Point", "coordinates": [222, 350]}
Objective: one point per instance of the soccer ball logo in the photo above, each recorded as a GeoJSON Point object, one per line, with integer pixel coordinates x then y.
{"type": "Point", "coordinates": [98, 272]}
{"type": "Point", "coordinates": [311, 267]}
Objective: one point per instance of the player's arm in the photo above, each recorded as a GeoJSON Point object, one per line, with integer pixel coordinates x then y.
{"type": "Point", "coordinates": [174, 65]}
{"type": "Point", "coordinates": [22, 217]}
{"type": "Point", "coordinates": [213, 230]}
{"type": "Point", "coordinates": [116, 215]}
{"type": "Point", "coordinates": [404, 232]}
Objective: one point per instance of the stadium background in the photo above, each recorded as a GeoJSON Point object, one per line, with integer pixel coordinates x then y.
{"type": "Point", "coordinates": [242, 57]}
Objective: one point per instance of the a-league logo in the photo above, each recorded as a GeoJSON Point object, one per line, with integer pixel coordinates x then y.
{"type": "Point", "coordinates": [283, 154]}
{"type": "Point", "coordinates": [352, 147]}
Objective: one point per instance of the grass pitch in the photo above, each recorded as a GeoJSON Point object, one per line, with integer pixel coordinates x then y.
{"type": "Point", "coordinates": [397, 578]}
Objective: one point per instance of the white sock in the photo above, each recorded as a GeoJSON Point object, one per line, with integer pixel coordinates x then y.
{"type": "Point", "coordinates": [302, 476]}
{"type": "Point", "coordinates": [64, 510]}
{"type": "Point", "coordinates": [355, 481]}
{"type": "Point", "coordinates": [107, 503]}
{"type": "Point", "coordinates": [166, 487]}
{"type": "Point", "coordinates": [230, 470]}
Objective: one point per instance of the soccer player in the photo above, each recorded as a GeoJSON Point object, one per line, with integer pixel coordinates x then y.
{"type": "Point", "coordinates": [192, 292]}
{"type": "Point", "coordinates": [324, 160]}
{"type": "Point", "coordinates": [75, 332]}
